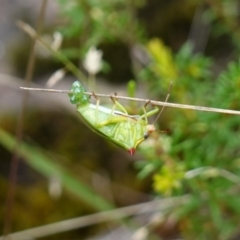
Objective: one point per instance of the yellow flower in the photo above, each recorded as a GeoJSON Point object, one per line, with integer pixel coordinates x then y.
{"type": "Point", "coordinates": [167, 180]}
{"type": "Point", "coordinates": [163, 61]}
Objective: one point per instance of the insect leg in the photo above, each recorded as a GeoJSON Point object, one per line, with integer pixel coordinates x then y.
{"type": "Point", "coordinates": [114, 104]}
{"type": "Point", "coordinates": [97, 106]}
{"type": "Point", "coordinates": [119, 105]}
{"type": "Point", "coordinates": [114, 119]}
{"type": "Point", "coordinates": [154, 111]}
{"type": "Point", "coordinates": [148, 114]}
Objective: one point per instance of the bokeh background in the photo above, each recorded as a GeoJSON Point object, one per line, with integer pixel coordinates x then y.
{"type": "Point", "coordinates": [188, 175]}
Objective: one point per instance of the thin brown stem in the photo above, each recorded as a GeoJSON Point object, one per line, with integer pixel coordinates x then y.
{"type": "Point", "coordinates": [7, 225]}
{"type": "Point", "coordinates": [157, 103]}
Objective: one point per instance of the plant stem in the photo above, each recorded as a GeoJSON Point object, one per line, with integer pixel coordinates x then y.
{"type": "Point", "coordinates": [9, 204]}
{"type": "Point", "coordinates": [153, 102]}
{"type": "Point", "coordinates": [57, 54]}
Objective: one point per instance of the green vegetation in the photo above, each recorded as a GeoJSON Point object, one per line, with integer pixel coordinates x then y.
{"type": "Point", "coordinates": [198, 156]}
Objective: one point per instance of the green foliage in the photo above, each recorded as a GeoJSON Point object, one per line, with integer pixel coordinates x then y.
{"type": "Point", "coordinates": [183, 69]}
{"type": "Point", "coordinates": [168, 178]}
{"type": "Point", "coordinates": [104, 22]}
{"type": "Point", "coordinates": [199, 154]}
{"type": "Point", "coordinates": [44, 165]}
{"type": "Point", "coordinates": [131, 88]}
{"type": "Point", "coordinates": [198, 140]}
{"type": "Point", "coordinates": [223, 16]}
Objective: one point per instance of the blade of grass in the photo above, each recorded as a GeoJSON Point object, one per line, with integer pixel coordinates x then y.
{"type": "Point", "coordinates": [43, 164]}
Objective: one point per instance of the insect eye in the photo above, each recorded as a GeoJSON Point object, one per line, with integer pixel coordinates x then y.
{"type": "Point", "coordinates": [146, 135]}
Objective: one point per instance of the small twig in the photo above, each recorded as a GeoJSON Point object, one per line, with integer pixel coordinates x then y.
{"type": "Point", "coordinates": [157, 103]}
{"type": "Point", "coordinates": [111, 215]}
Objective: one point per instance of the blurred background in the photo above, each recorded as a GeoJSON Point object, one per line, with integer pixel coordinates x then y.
{"type": "Point", "coordinates": [182, 183]}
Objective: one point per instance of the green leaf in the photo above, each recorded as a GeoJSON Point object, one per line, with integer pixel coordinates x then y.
{"type": "Point", "coordinates": [131, 88]}
{"type": "Point", "coordinates": [44, 165]}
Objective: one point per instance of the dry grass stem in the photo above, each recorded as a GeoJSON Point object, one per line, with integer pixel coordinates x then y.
{"type": "Point", "coordinates": [70, 224]}
{"type": "Point", "coordinates": [157, 103]}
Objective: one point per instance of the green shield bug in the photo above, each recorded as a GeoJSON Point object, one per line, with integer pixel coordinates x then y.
{"type": "Point", "coordinates": [125, 130]}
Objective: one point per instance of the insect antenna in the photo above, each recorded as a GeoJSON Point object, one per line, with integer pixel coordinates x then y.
{"type": "Point", "coordinates": [163, 131]}
{"type": "Point", "coordinates": [167, 97]}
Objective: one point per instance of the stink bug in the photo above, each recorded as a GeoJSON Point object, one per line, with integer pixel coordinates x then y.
{"type": "Point", "coordinates": [125, 130]}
